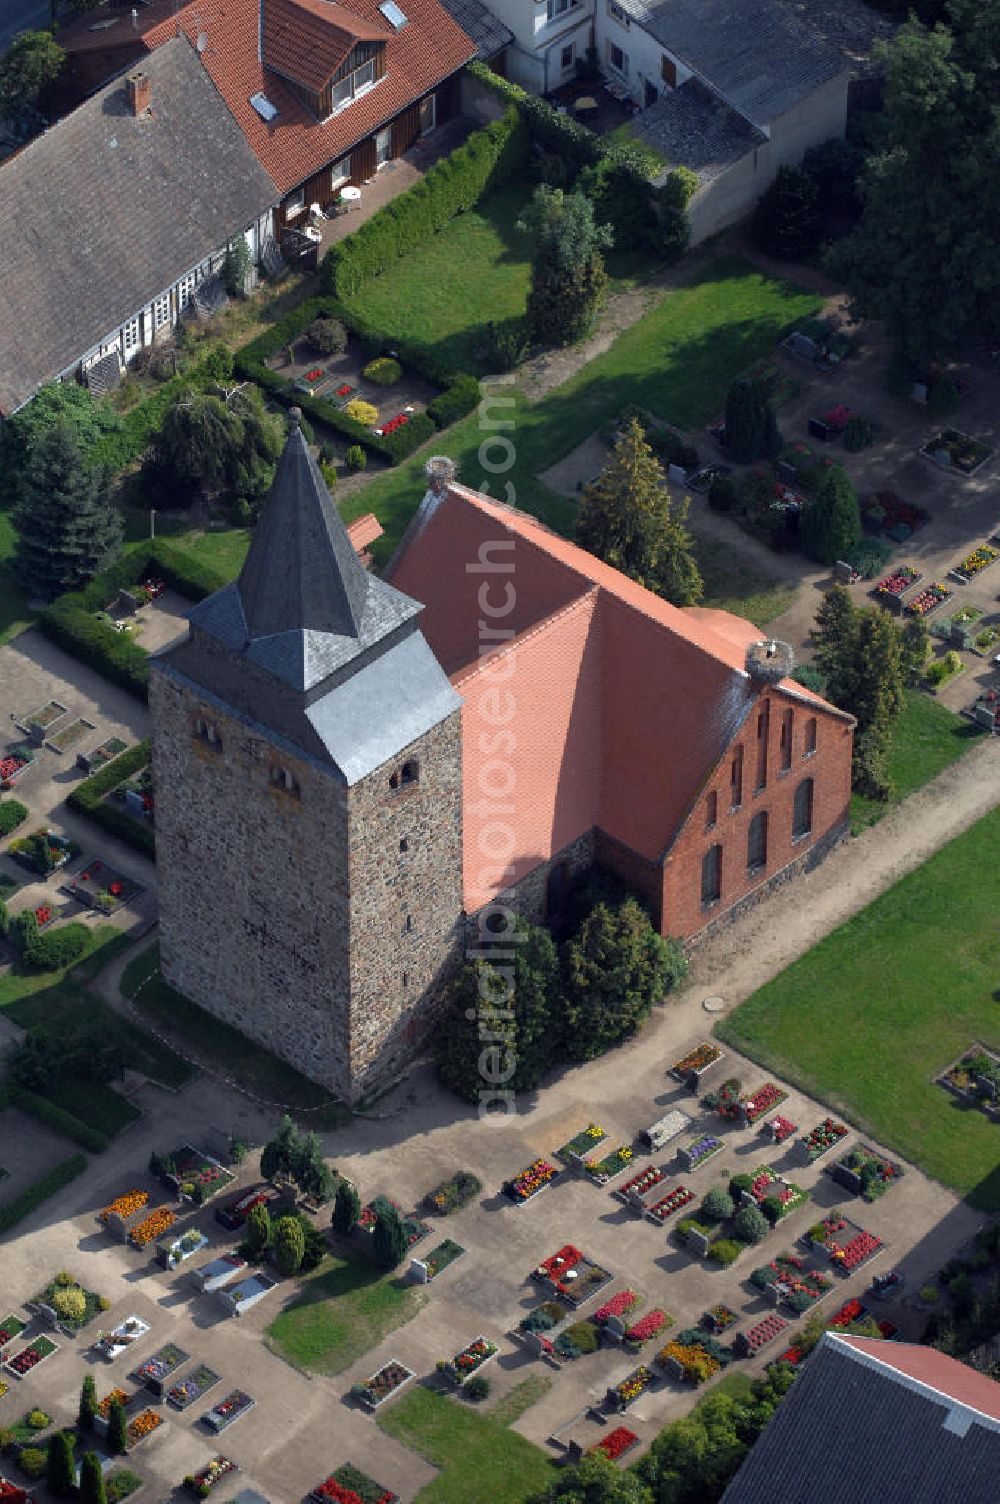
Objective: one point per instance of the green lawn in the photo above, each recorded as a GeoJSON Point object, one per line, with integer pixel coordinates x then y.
{"type": "Point", "coordinates": [926, 739]}
{"type": "Point", "coordinates": [731, 584]}
{"type": "Point", "coordinates": [344, 1310]}
{"type": "Point", "coordinates": [867, 1018]}
{"type": "Point", "coordinates": [475, 272]}
{"type": "Point", "coordinates": [479, 1457]}
{"type": "Point", "coordinates": [217, 1044]}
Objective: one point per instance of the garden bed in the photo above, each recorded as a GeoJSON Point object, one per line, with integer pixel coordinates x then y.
{"type": "Point", "coordinates": [248, 1293]}
{"type": "Point", "coordinates": [616, 1443]}
{"type": "Point", "coordinates": [222, 1415]}
{"type": "Point", "coordinates": [666, 1207]}
{"type": "Point", "coordinates": [218, 1272]}
{"type": "Point", "coordinates": [383, 1384]}
{"type": "Point", "coordinates": [44, 717]}
{"type": "Point", "coordinates": [154, 1373]}
{"type": "Point", "coordinates": [632, 1387]}
{"type": "Point", "coordinates": [600, 1171]}
{"type": "Point", "coordinates": [581, 1143]}
{"type": "Point", "coordinates": [101, 887]}
{"type": "Point", "coordinates": [160, 1220]}
{"type": "Point", "coordinates": [865, 1172]}
{"type": "Point", "coordinates": [692, 1156]}
{"type": "Point", "coordinates": [571, 1275]}
{"type": "Point", "coordinates": [121, 1484]}
{"type": "Point", "coordinates": [639, 1184]}
{"type": "Point", "coordinates": [892, 587]}
{"type": "Point", "coordinates": [92, 1304]}
{"type": "Point", "coordinates": [14, 761]}
{"type": "Point", "coordinates": [750, 1342]}
{"type": "Point", "coordinates": [187, 1391]}
{"type": "Point", "coordinates": [695, 1063]}
{"type": "Point", "coordinates": [649, 1325]}
{"type": "Point", "coordinates": [767, 1185]}
{"type": "Point", "coordinates": [93, 762]}
{"type": "Point", "coordinates": [28, 1359]}
{"type": "Point", "coordinates": [765, 1099]}
{"type": "Point", "coordinates": [787, 1281]}
{"type": "Point", "coordinates": [468, 1361]}
{"type": "Point", "coordinates": [117, 1213]}
{"type": "Point", "coordinates": [454, 1193]}
{"type": "Point", "coordinates": [111, 1345]}
{"type": "Point", "coordinates": [172, 1255]}
{"type": "Point", "coordinates": [206, 1478]}
{"type": "Point", "coordinates": [718, 1319]}
{"type": "Point", "coordinates": [347, 1485]}
{"type": "Point", "coordinates": [10, 1327]}
{"type": "Point", "coordinates": [69, 735]}
{"type": "Point", "coordinates": [442, 1257]}
{"type": "Point", "coordinates": [930, 599]}
{"type": "Point", "coordinates": [986, 641]}
{"type": "Point", "coordinates": [103, 1410]}
{"type": "Point", "coordinates": [195, 1175]}
{"type": "Point", "coordinates": [973, 564]}
{"type": "Point", "coordinates": [616, 1308]}
{"type": "Point", "coordinates": [778, 1129]}
{"type": "Point", "coordinates": [529, 1182]}
{"type": "Point", "coordinates": [43, 852]}
{"type": "Point", "coordinates": [956, 451]}
{"type": "Point", "coordinates": [975, 1078]}
{"type": "Point", "coordinates": [819, 1140]}
{"type": "Point", "coordinates": [692, 1357]}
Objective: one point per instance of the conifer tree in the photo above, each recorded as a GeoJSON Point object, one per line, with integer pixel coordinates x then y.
{"type": "Point", "coordinates": [389, 1238]}
{"type": "Point", "coordinates": [831, 522]}
{"type": "Point", "coordinates": [258, 1231]}
{"type": "Point", "coordinates": [568, 279]}
{"type": "Point", "coordinates": [289, 1245]}
{"type": "Point", "coordinates": [346, 1208]}
{"type": "Point", "coordinates": [92, 1490]}
{"type": "Point", "coordinates": [787, 222]}
{"type": "Point", "coordinates": [88, 1404]}
{"type": "Point", "coordinates": [117, 1429]}
{"type": "Point", "coordinates": [60, 1469]}
{"type": "Point", "coordinates": [614, 970]}
{"type": "Point", "coordinates": [67, 528]}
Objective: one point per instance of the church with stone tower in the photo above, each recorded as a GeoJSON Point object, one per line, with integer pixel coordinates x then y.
{"type": "Point", "coordinates": [351, 770]}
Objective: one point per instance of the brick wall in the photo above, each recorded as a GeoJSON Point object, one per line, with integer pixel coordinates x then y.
{"type": "Point", "coordinates": [829, 767]}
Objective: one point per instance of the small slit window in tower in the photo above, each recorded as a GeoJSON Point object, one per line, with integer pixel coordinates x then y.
{"type": "Point", "coordinates": [208, 733]}
{"type": "Point", "coordinates": [282, 779]}
{"type": "Point", "coordinates": [404, 844]}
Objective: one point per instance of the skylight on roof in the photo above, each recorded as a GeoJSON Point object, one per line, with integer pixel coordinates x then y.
{"type": "Point", "coordinates": [265, 109]}
{"type": "Point", "coordinates": [393, 14]}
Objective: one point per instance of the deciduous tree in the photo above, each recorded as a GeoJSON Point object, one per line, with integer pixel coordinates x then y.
{"type": "Point", "coordinates": [28, 71]}
{"type": "Point", "coordinates": [568, 279]}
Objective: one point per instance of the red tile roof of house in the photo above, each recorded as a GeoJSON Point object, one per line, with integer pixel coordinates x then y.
{"type": "Point", "coordinates": [294, 145]}
{"type": "Point", "coordinates": [622, 703]}
{"type": "Point", "coordinates": [307, 40]}
{"type": "Point", "coordinates": [364, 531]}
{"type": "Point", "coordinates": [925, 1365]}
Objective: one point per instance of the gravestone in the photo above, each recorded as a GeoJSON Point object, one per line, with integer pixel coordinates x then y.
{"type": "Point", "coordinates": [677, 475]}
{"type": "Point", "coordinates": [787, 474]}
{"type": "Point", "coordinates": [819, 430]}
{"type": "Point", "coordinates": [615, 1328]}
{"type": "Point", "coordinates": [133, 802]}
{"type": "Point", "coordinates": [418, 1272]}
{"type": "Point", "coordinates": [985, 716]}
{"type": "Point", "coordinates": [803, 346]}
{"type": "Point", "coordinates": [127, 601]}
{"type": "Point", "coordinates": [960, 636]}
{"type": "Point", "coordinates": [919, 391]}
{"type": "Point", "coordinates": [697, 1243]}
{"type": "Point", "coordinates": [574, 1452]}
{"type": "Point", "coordinates": [843, 572]}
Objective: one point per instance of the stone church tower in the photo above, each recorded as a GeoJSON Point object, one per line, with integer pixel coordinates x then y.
{"type": "Point", "coordinates": [308, 764]}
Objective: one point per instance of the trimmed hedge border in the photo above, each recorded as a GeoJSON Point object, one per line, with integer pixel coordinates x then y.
{"type": "Point", "coordinates": [48, 1112]}
{"type": "Point", "coordinates": [12, 814]}
{"type": "Point", "coordinates": [70, 623]}
{"type": "Point", "coordinates": [29, 1200]}
{"type": "Point", "coordinates": [88, 799]}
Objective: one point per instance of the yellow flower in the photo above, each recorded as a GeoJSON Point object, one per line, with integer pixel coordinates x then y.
{"type": "Point", "coordinates": [595, 1132]}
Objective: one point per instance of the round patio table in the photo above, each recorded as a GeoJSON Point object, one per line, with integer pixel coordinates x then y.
{"type": "Point", "coordinates": [585, 105]}
{"type": "Point", "coordinates": [350, 196]}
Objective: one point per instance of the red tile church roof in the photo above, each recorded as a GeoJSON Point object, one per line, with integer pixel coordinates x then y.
{"type": "Point", "coordinates": [620, 704]}
{"type": "Point", "coordinates": [294, 145]}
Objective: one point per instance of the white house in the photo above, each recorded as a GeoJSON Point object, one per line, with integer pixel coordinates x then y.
{"type": "Point", "coordinates": [549, 37]}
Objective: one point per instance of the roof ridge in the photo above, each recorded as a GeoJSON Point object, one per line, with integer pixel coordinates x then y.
{"type": "Point", "coordinates": [863, 1350]}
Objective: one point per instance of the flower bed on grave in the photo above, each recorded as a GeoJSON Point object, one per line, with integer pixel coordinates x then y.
{"type": "Point", "coordinates": [14, 761]}
{"type": "Point", "coordinates": [929, 600]}
{"type": "Point", "coordinates": [154, 1226]}
{"type": "Point", "coordinates": [124, 1206]}
{"type": "Point", "coordinates": [778, 1128]}
{"type": "Point", "coordinates": [205, 1479]}
{"type": "Point", "coordinates": [43, 851]}
{"type": "Point", "coordinates": [699, 1151]}
{"type": "Point", "coordinates": [529, 1182]}
{"type": "Point", "coordinates": [814, 1144]}
{"type": "Point", "coordinates": [222, 1415]}
{"type": "Point", "coordinates": [388, 1380]}
{"type": "Point", "coordinates": [104, 1405]}
{"type": "Point", "coordinates": [102, 887]}
{"type": "Point", "coordinates": [866, 1172]}
{"type": "Point", "coordinates": [349, 1485]}
{"type": "Point", "coordinates": [29, 1357]}
{"type": "Point", "coordinates": [893, 586]}
{"type": "Point", "coordinates": [544, 1317]}
{"type": "Point", "coordinates": [718, 1319]}
{"type": "Point", "coordinates": [172, 1255]}
{"type": "Point", "coordinates": [855, 1252]}
{"type": "Point", "coordinates": [849, 1313]}
{"type": "Point", "coordinates": [185, 1392]}
{"type": "Point", "coordinates": [469, 1361]}
{"type": "Point", "coordinates": [454, 1193]}
{"type": "Point", "coordinates": [696, 1062]}
{"type": "Point", "coordinates": [724, 1099]}
{"type": "Point", "coordinates": [752, 1108]}
{"type": "Point", "coordinates": [570, 1274]}
{"type": "Point", "coordinates": [693, 1356]}
{"type": "Point", "coordinates": [980, 558]}
{"type": "Point", "coordinates": [64, 1284]}
{"type": "Point", "coordinates": [157, 1369]}
{"type": "Point", "coordinates": [111, 1345]}
{"type": "Point", "coordinates": [767, 1185]}
{"type": "Point", "coordinates": [664, 1208]}
{"type": "Point", "coordinates": [578, 1146]}
{"type": "Point", "coordinates": [649, 1325]}
{"type": "Point", "coordinates": [141, 1426]}
{"type": "Point", "coordinates": [630, 1388]}
{"type": "Point", "coordinates": [619, 1304]}
{"type": "Point", "coordinates": [788, 1281]}
{"type": "Point", "coordinates": [600, 1171]}
{"type": "Point", "coordinates": [440, 1257]}
{"type": "Point", "coordinates": [10, 1327]}
{"type": "Point", "coordinates": [196, 1175]}
{"type": "Point", "coordinates": [954, 450]}
{"type": "Point", "coordinates": [976, 1078]}
{"type": "Point", "coordinates": [616, 1443]}
{"type": "Point", "coordinates": [414, 1229]}
{"type": "Point", "coordinates": [641, 1183]}
{"type": "Point", "coordinates": [750, 1342]}
{"type": "Point", "coordinates": [833, 1225]}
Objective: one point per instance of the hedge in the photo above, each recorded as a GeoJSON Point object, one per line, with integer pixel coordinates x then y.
{"type": "Point", "coordinates": [88, 799]}
{"type": "Point", "coordinates": [454, 402]}
{"type": "Point", "coordinates": [56, 949]}
{"type": "Point", "coordinates": [12, 814]}
{"type": "Point", "coordinates": [63, 1122]}
{"type": "Point", "coordinates": [70, 621]}
{"type": "Point", "coordinates": [29, 1200]}
{"type": "Point", "coordinates": [485, 160]}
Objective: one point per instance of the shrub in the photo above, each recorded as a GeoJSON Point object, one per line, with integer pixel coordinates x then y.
{"type": "Point", "coordinates": [507, 345]}
{"type": "Point", "coordinates": [787, 222]}
{"type": "Point", "coordinates": [346, 1208]}
{"type": "Point", "coordinates": [33, 1461]}
{"type": "Point", "coordinates": [327, 336]}
{"type": "Point", "coordinates": [717, 1206]}
{"type": "Point", "coordinates": [383, 371]}
{"type": "Point", "coordinates": [88, 1404]}
{"type": "Point", "coordinates": [723, 494]}
{"type": "Point", "coordinates": [12, 814]}
{"type": "Point", "coordinates": [771, 1207]}
{"type": "Point", "coordinates": [859, 434]}
{"type": "Point", "coordinates": [356, 457]}
{"type": "Point", "coordinates": [93, 642]}
{"type": "Point", "coordinates": [477, 1388]}
{"type": "Point", "coordinates": [738, 1185]}
{"type": "Point", "coordinates": [458, 399]}
{"type": "Point", "coordinates": [454, 1193]}
{"type": "Point", "coordinates": [724, 1251]}
{"type": "Point", "coordinates": [584, 1336]}
{"type": "Point", "coordinates": [117, 1435]}
{"type": "Point", "coordinates": [810, 677]}
{"type": "Point", "coordinates": [88, 798]}
{"type": "Point", "coordinates": [258, 1230]}
{"type": "Point", "coordinates": [37, 1420]}
{"type": "Point", "coordinates": [60, 1468]}
{"type": "Point", "coordinates": [750, 1225]}
{"type": "Point", "coordinates": [389, 1238]}
{"type": "Point", "coordinates": [929, 1295]}
{"type": "Point", "coordinates": [58, 1118]}
{"type": "Point", "coordinates": [360, 411]}
{"type": "Point", "coordinates": [71, 1303]}
{"type": "Point", "coordinates": [58, 948]}
{"type": "Point", "coordinates": [289, 1245]}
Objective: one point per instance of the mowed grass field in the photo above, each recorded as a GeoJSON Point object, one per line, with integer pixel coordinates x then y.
{"type": "Point", "coordinates": [869, 1017]}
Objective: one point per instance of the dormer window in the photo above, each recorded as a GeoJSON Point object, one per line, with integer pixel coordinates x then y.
{"type": "Point", "coordinates": [358, 81]}
{"type": "Point", "coordinates": [282, 779]}
{"type": "Point", "coordinates": [208, 732]}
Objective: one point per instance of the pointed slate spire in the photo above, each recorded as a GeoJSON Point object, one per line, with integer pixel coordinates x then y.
{"type": "Point", "coordinates": [302, 573]}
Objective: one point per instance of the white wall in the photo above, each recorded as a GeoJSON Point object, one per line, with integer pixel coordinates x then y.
{"type": "Point", "coordinates": [534, 59]}
{"type": "Point", "coordinates": [644, 53]}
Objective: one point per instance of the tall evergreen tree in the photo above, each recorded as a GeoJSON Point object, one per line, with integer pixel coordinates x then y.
{"type": "Point", "coordinates": [281, 1151]}
{"type": "Point", "coordinates": [914, 644]}
{"type": "Point", "coordinates": [68, 530]}
{"type": "Point", "coordinates": [626, 518]}
{"type": "Point", "coordinates": [88, 1404]}
{"type": "Point", "coordinates": [568, 279]}
{"type": "Point", "coordinates": [92, 1489]}
{"type": "Point", "coordinates": [117, 1429]}
{"type": "Point", "coordinates": [389, 1238]}
{"type": "Point", "coordinates": [289, 1244]}
{"type": "Point", "coordinates": [831, 522]}
{"type": "Point", "coordinates": [258, 1229]}
{"type": "Point", "coordinates": [60, 1469]}
{"type": "Point", "coordinates": [787, 222]}
{"type": "Point", "coordinates": [744, 422]}
{"type": "Point", "coordinates": [346, 1208]}
{"type": "Point", "coordinates": [875, 695]}
{"type": "Point", "coordinates": [833, 638]}
{"type": "Point", "coordinates": [614, 970]}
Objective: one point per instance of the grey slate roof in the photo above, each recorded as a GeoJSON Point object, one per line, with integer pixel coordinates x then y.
{"type": "Point", "coordinates": [851, 1430]}
{"type": "Point", "coordinates": [481, 26]}
{"type": "Point", "coordinates": [104, 211]}
{"type": "Point", "coordinates": [759, 58]}
{"type": "Point", "coordinates": [310, 645]}
{"type": "Point", "coordinates": [691, 127]}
